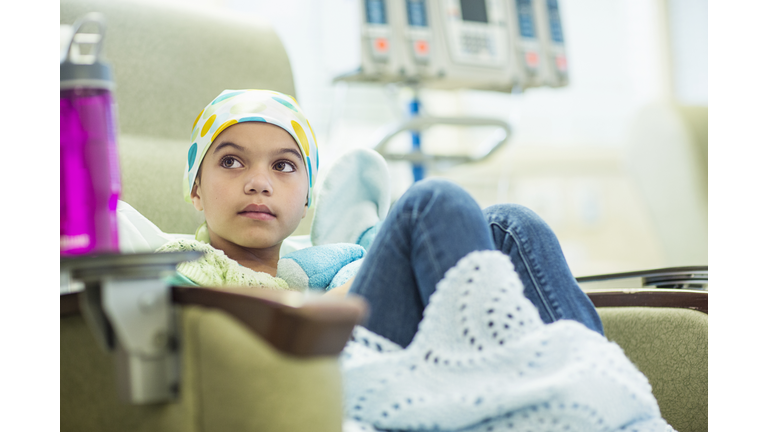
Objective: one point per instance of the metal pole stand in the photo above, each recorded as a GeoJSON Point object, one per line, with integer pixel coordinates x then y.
{"type": "Point", "coordinates": [417, 122]}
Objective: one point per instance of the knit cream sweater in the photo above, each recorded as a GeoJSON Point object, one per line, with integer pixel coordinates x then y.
{"type": "Point", "coordinates": [215, 269]}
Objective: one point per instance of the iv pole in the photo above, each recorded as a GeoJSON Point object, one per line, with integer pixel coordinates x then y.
{"type": "Point", "coordinates": [418, 122]}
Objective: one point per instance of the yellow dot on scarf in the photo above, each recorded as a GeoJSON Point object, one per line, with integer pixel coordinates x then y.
{"type": "Point", "coordinates": [302, 136]}
{"type": "Point", "coordinates": [221, 128]}
{"type": "Point", "coordinates": [208, 125]}
{"type": "Point", "coordinates": [314, 138]}
{"type": "Point", "coordinates": [196, 120]}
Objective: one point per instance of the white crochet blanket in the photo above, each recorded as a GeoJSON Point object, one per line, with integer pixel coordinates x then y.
{"type": "Point", "coordinates": [482, 360]}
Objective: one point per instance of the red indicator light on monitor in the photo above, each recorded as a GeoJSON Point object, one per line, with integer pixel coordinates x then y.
{"type": "Point", "coordinates": [532, 59]}
{"type": "Point", "coordinates": [562, 64]}
{"type": "Point", "coordinates": [422, 47]}
{"type": "Point", "coordinates": [382, 44]}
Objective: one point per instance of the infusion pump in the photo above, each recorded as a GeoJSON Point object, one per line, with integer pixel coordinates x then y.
{"type": "Point", "coordinates": [478, 44]}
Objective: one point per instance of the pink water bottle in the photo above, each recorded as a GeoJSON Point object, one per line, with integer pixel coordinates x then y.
{"type": "Point", "coordinates": [90, 172]}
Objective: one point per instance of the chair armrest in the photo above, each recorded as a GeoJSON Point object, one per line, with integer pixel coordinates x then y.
{"type": "Point", "coordinates": [294, 324]}
{"type": "Point", "coordinates": [288, 321]}
{"type": "Point", "coordinates": [674, 298]}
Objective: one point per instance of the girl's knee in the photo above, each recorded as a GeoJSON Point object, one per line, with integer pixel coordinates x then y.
{"type": "Point", "coordinates": [507, 214]}
{"type": "Point", "coordinates": [436, 185]}
{"type": "Point", "coordinates": [434, 188]}
{"type": "Point", "coordinates": [438, 195]}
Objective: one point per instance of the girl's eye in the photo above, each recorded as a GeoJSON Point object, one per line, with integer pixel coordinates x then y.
{"type": "Point", "coordinates": [284, 166]}
{"type": "Point", "coordinates": [230, 162]}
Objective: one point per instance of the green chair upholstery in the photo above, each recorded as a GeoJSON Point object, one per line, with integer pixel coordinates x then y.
{"type": "Point", "coordinates": [670, 346]}
{"type": "Point", "coordinates": [232, 380]}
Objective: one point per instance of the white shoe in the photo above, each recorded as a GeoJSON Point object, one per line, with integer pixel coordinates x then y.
{"type": "Point", "coordinates": [355, 196]}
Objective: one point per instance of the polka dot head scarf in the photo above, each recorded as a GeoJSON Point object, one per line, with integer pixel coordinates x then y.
{"type": "Point", "coordinates": [237, 106]}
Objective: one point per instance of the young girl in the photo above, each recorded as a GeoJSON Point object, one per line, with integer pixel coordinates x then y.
{"type": "Point", "coordinates": [251, 167]}
{"type": "Point", "coordinates": [458, 295]}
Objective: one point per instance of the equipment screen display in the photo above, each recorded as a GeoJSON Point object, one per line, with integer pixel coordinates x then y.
{"type": "Point", "coordinates": [474, 10]}
{"type": "Point", "coordinates": [525, 18]}
{"type": "Point", "coordinates": [417, 13]}
{"type": "Point", "coordinates": [375, 12]}
{"type": "Point", "coordinates": [555, 28]}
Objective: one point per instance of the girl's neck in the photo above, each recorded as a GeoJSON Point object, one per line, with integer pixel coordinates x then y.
{"type": "Point", "coordinates": [260, 260]}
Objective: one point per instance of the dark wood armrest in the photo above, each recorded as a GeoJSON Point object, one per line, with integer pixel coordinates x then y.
{"type": "Point", "coordinates": [287, 320]}
{"type": "Point", "coordinates": [291, 323]}
{"type": "Point", "coordinates": [651, 297]}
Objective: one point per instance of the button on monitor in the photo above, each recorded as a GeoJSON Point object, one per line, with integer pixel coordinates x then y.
{"type": "Point", "coordinates": [421, 47]}
{"type": "Point", "coordinates": [562, 64]}
{"type": "Point", "coordinates": [381, 45]}
{"type": "Point", "coordinates": [532, 59]}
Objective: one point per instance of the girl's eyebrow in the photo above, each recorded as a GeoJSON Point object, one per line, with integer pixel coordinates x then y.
{"type": "Point", "coordinates": [290, 150]}
{"type": "Point", "coordinates": [229, 144]}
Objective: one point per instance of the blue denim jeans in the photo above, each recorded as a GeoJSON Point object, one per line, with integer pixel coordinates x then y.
{"type": "Point", "coordinates": [435, 224]}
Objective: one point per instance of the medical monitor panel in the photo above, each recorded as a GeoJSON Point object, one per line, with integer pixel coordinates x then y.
{"type": "Point", "coordinates": [381, 56]}
{"type": "Point", "coordinates": [476, 32]}
{"type": "Point", "coordinates": [526, 42]}
{"type": "Point", "coordinates": [554, 68]}
{"type": "Point", "coordinates": [419, 39]}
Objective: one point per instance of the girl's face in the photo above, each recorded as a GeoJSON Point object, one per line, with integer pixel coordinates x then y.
{"type": "Point", "coordinates": [253, 186]}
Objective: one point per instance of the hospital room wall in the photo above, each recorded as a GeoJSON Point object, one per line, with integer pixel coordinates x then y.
{"type": "Point", "coordinates": [576, 156]}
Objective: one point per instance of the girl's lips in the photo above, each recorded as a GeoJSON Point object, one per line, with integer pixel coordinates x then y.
{"type": "Point", "coordinates": [257, 212]}
{"type": "Point", "coordinates": [257, 215]}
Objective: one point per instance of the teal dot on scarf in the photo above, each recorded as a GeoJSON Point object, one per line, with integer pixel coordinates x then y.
{"type": "Point", "coordinates": [226, 96]}
{"type": "Point", "coordinates": [286, 103]}
{"type": "Point", "coordinates": [247, 119]}
{"type": "Point", "coordinates": [191, 156]}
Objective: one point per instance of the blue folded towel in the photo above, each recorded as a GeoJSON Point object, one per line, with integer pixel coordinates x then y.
{"type": "Point", "coordinates": [320, 267]}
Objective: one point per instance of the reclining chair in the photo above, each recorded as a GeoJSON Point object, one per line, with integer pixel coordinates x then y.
{"type": "Point", "coordinates": [266, 362]}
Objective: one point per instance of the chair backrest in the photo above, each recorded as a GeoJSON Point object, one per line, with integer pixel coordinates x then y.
{"type": "Point", "coordinates": [168, 62]}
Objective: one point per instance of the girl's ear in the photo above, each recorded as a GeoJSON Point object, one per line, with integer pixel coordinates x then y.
{"type": "Point", "coordinates": [197, 200]}
{"type": "Point", "coordinates": [306, 206]}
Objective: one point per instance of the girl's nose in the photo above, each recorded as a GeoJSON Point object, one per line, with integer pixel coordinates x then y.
{"type": "Point", "coordinates": [258, 182]}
